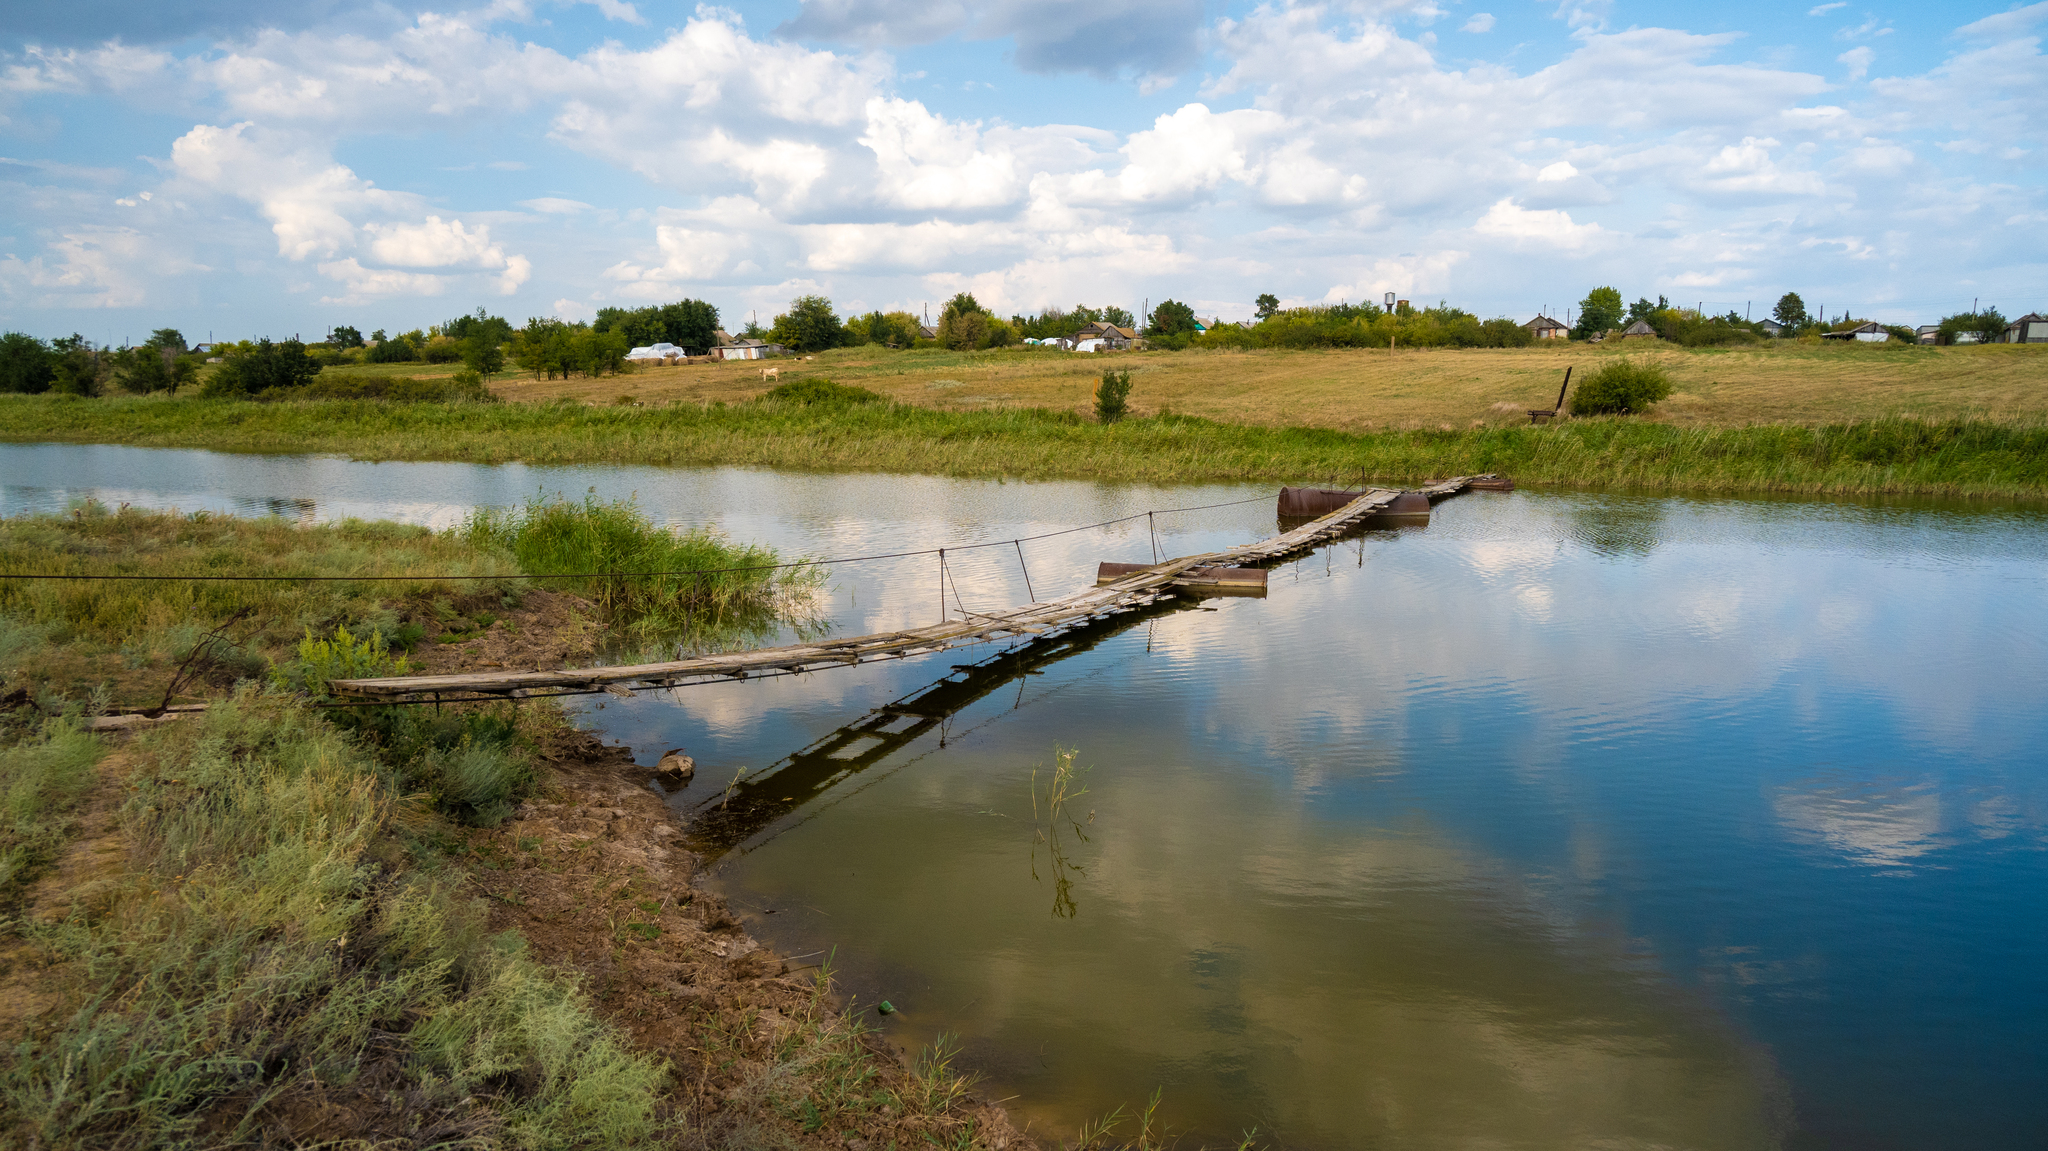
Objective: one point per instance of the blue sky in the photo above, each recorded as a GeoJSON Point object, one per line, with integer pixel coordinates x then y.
{"type": "Point", "coordinates": [205, 167]}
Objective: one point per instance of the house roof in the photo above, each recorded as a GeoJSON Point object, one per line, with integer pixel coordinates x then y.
{"type": "Point", "coordinates": [1639, 328]}
{"type": "Point", "coordinates": [1543, 324]}
{"type": "Point", "coordinates": [1099, 328]}
{"type": "Point", "coordinates": [2029, 318]}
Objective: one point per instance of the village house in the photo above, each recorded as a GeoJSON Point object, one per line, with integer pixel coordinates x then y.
{"type": "Point", "coordinates": [1771, 328]}
{"type": "Point", "coordinates": [2031, 328]}
{"type": "Point", "coordinates": [1639, 329]}
{"type": "Point", "coordinates": [1101, 337]}
{"type": "Point", "coordinates": [744, 348]}
{"type": "Point", "coordinates": [1868, 332]}
{"type": "Point", "coordinates": [1927, 334]}
{"type": "Point", "coordinates": [1545, 328]}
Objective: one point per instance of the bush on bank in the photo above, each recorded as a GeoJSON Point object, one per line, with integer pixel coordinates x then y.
{"type": "Point", "coordinates": [1622, 387]}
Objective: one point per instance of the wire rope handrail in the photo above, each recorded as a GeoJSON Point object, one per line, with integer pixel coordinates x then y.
{"type": "Point", "coordinates": [1018, 541]}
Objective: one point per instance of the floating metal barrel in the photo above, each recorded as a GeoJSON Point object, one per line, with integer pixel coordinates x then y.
{"type": "Point", "coordinates": [1202, 580]}
{"type": "Point", "coordinates": [1407, 508]}
{"type": "Point", "coordinates": [1308, 503]}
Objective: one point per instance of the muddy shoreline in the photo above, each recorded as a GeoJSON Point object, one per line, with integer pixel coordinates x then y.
{"type": "Point", "coordinates": [593, 873]}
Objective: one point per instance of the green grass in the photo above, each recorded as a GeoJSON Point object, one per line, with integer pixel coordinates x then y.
{"type": "Point", "coordinates": [274, 949]}
{"type": "Point", "coordinates": [1888, 455]}
{"type": "Point", "coordinates": [668, 580]}
{"type": "Point", "coordinates": [63, 638]}
{"type": "Point", "coordinates": [42, 778]}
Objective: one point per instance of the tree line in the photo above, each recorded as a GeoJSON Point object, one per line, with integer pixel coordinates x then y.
{"type": "Point", "coordinates": [1602, 311]}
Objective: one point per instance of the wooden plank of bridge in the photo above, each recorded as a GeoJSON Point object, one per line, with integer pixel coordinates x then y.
{"type": "Point", "coordinates": [1135, 590]}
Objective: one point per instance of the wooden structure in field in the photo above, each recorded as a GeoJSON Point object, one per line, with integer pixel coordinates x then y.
{"type": "Point", "coordinates": [1142, 586]}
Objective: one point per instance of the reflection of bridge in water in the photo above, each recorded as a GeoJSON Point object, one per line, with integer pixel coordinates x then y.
{"type": "Point", "coordinates": [724, 819]}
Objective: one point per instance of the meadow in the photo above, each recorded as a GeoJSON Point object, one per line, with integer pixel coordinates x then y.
{"type": "Point", "coordinates": [1360, 390]}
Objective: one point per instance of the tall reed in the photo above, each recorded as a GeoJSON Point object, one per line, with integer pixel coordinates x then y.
{"type": "Point", "coordinates": [655, 577]}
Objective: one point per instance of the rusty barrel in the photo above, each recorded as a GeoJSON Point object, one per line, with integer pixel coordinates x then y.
{"type": "Point", "coordinates": [1308, 503]}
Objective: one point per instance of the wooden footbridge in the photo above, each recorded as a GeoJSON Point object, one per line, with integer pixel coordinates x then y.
{"type": "Point", "coordinates": [1120, 593]}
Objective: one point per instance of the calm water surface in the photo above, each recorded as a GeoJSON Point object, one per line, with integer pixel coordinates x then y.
{"type": "Point", "coordinates": [1568, 820]}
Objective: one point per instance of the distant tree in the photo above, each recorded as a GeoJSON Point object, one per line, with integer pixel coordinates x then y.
{"type": "Point", "coordinates": [78, 365]}
{"type": "Point", "coordinates": [483, 353]}
{"type": "Point", "coordinates": [166, 339]}
{"type": "Point", "coordinates": [754, 331]}
{"type": "Point", "coordinates": [889, 329]}
{"type": "Point", "coordinates": [345, 337]}
{"type": "Point", "coordinates": [964, 330]}
{"type": "Point", "coordinates": [1115, 315]}
{"type": "Point", "coordinates": [399, 349]}
{"type": "Point", "coordinates": [1268, 304]}
{"type": "Point", "coordinates": [961, 304]}
{"type": "Point", "coordinates": [1643, 309]}
{"type": "Point", "coordinates": [691, 325]}
{"type": "Point", "coordinates": [264, 366]}
{"type": "Point", "coordinates": [1599, 311]}
{"type": "Point", "coordinates": [1791, 311]}
{"type": "Point", "coordinates": [25, 364]}
{"type": "Point", "coordinates": [1988, 326]}
{"type": "Point", "coordinates": [1171, 318]}
{"type": "Point", "coordinates": [810, 325]}
{"type": "Point", "coordinates": [254, 369]}
{"type": "Point", "coordinates": [496, 329]}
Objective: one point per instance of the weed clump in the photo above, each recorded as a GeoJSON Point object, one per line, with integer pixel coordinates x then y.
{"type": "Point", "coordinates": [653, 577]}
{"type": "Point", "coordinates": [815, 391]}
{"type": "Point", "coordinates": [1621, 388]}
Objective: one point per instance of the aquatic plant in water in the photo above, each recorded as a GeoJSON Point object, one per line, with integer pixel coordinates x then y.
{"type": "Point", "coordinates": [1062, 787]}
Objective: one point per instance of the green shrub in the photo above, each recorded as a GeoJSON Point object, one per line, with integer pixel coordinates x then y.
{"type": "Point", "coordinates": [815, 391]}
{"type": "Point", "coordinates": [255, 369]}
{"type": "Point", "coordinates": [462, 387]}
{"type": "Point", "coordinates": [1112, 396]}
{"type": "Point", "coordinates": [341, 657]}
{"type": "Point", "coordinates": [1622, 387]}
{"type": "Point", "coordinates": [441, 350]}
{"type": "Point", "coordinates": [479, 779]}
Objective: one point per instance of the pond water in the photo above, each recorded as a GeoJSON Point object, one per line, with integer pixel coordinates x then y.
{"type": "Point", "coordinates": [1566, 820]}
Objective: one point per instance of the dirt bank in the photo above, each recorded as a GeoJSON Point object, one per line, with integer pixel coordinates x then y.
{"type": "Point", "coordinates": [592, 872]}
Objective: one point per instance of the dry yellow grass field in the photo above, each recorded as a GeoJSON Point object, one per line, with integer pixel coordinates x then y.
{"type": "Point", "coordinates": [1360, 390]}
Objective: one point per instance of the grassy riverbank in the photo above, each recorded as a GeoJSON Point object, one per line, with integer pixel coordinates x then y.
{"type": "Point", "coordinates": [271, 924]}
{"type": "Point", "coordinates": [1889, 455]}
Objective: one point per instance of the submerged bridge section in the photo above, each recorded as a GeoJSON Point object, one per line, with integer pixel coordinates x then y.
{"type": "Point", "coordinates": [1140, 588]}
